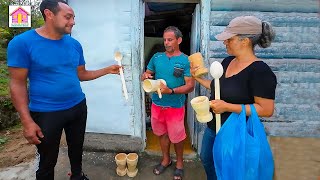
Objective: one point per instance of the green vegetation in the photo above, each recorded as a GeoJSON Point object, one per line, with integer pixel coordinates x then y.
{"type": "Point", "coordinates": [7, 110]}
{"type": "Point", "coordinates": [3, 140]}
{"type": "Point", "coordinates": [4, 80]}
{"type": "Point", "coordinates": [15, 127]}
{"type": "Point", "coordinates": [6, 33]}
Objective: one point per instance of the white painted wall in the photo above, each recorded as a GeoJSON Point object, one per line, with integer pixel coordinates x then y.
{"type": "Point", "coordinates": [102, 27]}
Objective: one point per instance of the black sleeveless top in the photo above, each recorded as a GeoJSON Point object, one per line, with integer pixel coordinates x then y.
{"type": "Point", "coordinates": [255, 80]}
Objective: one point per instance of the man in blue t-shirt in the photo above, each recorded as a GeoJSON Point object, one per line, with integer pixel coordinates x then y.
{"type": "Point", "coordinates": [53, 63]}
{"type": "Point", "coordinates": [167, 113]}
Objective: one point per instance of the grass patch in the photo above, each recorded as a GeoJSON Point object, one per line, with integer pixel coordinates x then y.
{"type": "Point", "coordinates": [15, 127]}
{"type": "Point", "coordinates": [3, 140]}
{"type": "Point", "coordinates": [4, 79]}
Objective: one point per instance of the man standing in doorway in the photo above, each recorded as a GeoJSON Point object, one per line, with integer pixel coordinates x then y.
{"type": "Point", "coordinates": [54, 64]}
{"type": "Point", "coordinates": [167, 113]}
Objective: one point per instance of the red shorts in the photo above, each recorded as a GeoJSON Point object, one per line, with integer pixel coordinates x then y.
{"type": "Point", "coordinates": [168, 120]}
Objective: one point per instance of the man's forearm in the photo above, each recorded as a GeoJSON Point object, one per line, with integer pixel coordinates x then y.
{"type": "Point", "coordinates": [19, 97]}
{"type": "Point", "coordinates": [91, 75]}
{"type": "Point", "coordinates": [185, 89]}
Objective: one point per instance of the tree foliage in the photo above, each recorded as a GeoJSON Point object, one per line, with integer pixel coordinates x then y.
{"type": "Point", "coordinates": [6, 33]}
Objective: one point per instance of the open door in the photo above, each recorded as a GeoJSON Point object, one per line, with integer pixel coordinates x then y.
{"type": "Point", "coordinates": [142, 66]}
{"type": "Point", "coordinates": [194, 47]}
{"type": "Point", "coordinates": [158, 16]}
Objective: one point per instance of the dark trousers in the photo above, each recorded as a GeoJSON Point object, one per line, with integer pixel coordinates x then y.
{"type": "Point", "coordinates": [206, 154]}
{"type": "Point", "coordinates": [73, 121]}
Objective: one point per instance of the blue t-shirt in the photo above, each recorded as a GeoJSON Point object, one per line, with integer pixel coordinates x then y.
{"type": "Point", "coordinates": [173, 70]}
{"type": "Point", "coordinates": [52, 70]}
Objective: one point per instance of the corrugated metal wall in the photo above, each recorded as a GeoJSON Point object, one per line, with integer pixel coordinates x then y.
{"type": "Point", "coordinates": [294, 57]}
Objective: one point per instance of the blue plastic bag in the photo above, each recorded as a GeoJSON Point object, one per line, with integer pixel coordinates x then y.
{"type": "Point", "coordinates": [241, 150]}
{"type": "Point", "coordinates": [255, 128]}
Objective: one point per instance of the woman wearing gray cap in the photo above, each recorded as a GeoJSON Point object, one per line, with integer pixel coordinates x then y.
{"type": "Point", "coordinates": [246, 79]}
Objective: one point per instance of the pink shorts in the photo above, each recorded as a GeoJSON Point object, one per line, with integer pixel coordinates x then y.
{"type": "Point", "coordinates": [167, 120]}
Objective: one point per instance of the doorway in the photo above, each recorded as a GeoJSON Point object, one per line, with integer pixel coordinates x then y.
{"type": "Point", "coordinates": [158, 16]}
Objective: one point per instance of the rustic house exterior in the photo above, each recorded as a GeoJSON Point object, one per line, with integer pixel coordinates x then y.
{"type": "Point", "coordinates": [103, 27]}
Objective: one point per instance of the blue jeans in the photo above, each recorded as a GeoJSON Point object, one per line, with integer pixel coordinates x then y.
{"type": "Point", "coordinates": [206, 154]}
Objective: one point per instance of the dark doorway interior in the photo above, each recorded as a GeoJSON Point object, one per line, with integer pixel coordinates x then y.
{"type": "Point", "coordinates": [158, 16]}
{"type": "Point", "coordinates": [161, 15]}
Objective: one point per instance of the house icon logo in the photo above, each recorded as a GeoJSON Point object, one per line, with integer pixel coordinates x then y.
{"type": "Point", "coordinates": [19, 16]}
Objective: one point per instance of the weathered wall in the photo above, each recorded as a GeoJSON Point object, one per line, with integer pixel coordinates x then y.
{"type": "Point", "coordinates": [103, 27]}
{"type": "Point", "coordinates": [294, 57]}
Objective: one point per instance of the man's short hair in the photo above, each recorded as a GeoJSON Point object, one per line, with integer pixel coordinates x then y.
{"type": "Point", "coordinates": [52, 5]}
{"type": "Point", "coordinates": [174, 29]}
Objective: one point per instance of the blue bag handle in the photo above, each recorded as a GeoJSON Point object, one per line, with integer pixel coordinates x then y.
{"type": "Point", "coordinates": [243, 109]}
{"type": "Point", "coordinates": [254, 122]}
{"type": "Point", "coordinates": [254, 113]}
{"type": "Point", "coordinates": [229, 147]}
{"type": "Point", "coordinates": [266, 163]}
{"type": "Point", "coordinates": [241, 115]}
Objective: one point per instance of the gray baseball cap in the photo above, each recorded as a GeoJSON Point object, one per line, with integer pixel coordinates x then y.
{"type": "Point", "coordinates": [241, 25]}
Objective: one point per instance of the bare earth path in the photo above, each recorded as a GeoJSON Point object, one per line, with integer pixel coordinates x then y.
{"type": "Point", "coordinates": [17, 149]}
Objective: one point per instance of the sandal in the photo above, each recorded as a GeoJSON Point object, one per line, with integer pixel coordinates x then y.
{"type": "Point", "coordinates": [178, 174]}
{"type": "Point", "coordinates": [159, 169]}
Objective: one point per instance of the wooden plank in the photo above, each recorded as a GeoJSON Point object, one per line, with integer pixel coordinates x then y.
{"type": "Point", "coordinates": [173, 1]}
{"type": "Point", "coordinates": [284, 65]}
{"type": "Point", "coordinates": [293, 34]}
{"type": "Point", "coordinates": [309, 6]}
{"type": "Point", "coordinates": [205, 28]}
{"type": "Point", "coordinates": [204, 39]}
{"type": "Point", "coordinates": [298, 93]}
{"type": "Point", "coordinates": [278, 19]}
{"type": "Point", "coordinates": [294, 77]}
{"type": "Point", "coordinates": [194, 47]}
{"type": "Point", "coordinates": [137, 122]}
{"type": "Point", "coordinates": [300, 128]}
{"type": "Point", "coordinates": [276, 50]}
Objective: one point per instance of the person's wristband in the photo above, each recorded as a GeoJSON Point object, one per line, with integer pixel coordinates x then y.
{"type": "Point", "coordinates": [172, 91]}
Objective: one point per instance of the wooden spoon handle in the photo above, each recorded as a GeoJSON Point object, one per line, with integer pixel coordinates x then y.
{"type": "Point", "coordinates": [124, 87]}
{"type": "Point", "coordinates": [159, 93]}
{"type": "Point", "coordinates": [217, 96]}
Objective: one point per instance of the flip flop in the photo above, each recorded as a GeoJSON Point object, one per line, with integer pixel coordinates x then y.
{"type": "Point", "coordinates": [159, 169]}
{"type": "Point", "coordinates": [178, 174]}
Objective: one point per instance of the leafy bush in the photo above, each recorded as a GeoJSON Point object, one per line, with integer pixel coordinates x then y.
{"type": "Point", "coordinates": [4, 80]}
{"type": "Point", "coordinates": [6, 33]}
{"type": "Point", "coordinates": [3, 140]}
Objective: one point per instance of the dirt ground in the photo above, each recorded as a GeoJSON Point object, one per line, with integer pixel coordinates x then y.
{"type": "Point", "coordinates": [17, 149]}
